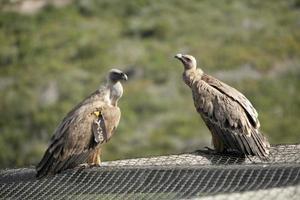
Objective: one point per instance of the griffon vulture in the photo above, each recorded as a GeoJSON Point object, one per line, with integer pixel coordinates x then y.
{"type": "Point", "coordinates": [228, 114]}
{"type": "Point", "coordinates": [78, 139]}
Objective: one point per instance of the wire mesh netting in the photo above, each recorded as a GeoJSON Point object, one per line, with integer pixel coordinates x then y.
{"type": "Point", "coordinates": [189, 175]}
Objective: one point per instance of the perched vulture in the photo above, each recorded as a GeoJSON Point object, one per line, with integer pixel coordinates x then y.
{"type": "Point", "coordinates": [228, 114]}
{"type": "Point", "coordinates": [78, 139]}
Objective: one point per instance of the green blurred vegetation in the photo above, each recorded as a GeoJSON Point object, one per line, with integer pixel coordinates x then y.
{"type": "Point", "coordinates": [51, 60]}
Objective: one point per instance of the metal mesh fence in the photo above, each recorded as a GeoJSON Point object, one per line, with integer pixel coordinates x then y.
{"type": "Point", "coordinates": [189, 175]}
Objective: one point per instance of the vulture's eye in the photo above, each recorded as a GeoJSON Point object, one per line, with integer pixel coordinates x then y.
{"type": "Point", "coordinates": [187, 59]}
{"type": "Point", "coordinates": [115, 73]}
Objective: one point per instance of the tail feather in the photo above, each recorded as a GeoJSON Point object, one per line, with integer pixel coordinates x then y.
{"type": "Point", "coordinates": [44, 167]}
{"type": "Point", "coordinates": [262, 144]}
{"type": "Point", "coordinates": [255, 145]}
{"type": "Point", "coordinates": [50, 164]}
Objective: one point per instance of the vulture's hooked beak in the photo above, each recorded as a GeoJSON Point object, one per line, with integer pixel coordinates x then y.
{"type": "Point", "coordinates": [178, 56]}
{"type": "Point", "coordinates": [124, 77]}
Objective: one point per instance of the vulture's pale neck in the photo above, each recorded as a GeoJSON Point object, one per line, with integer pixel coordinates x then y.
{"type": "Point", "coordinates": [190, 76]}
{"type": "Point", "coordinates": [115, 92]}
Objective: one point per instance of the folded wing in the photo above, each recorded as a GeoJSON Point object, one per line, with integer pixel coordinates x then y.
{"type": "Point", "coordinates": [230, 117]}
{"type": "Point", "coordinates": [78, 135]}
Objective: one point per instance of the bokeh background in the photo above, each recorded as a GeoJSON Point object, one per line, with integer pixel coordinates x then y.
{"type": "Point", "coordinates": [53, 53]}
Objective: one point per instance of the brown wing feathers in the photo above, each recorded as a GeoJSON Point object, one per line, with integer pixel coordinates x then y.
{"type": "Point", "coordinates": [232, 122]}
{"type": "Point", "coordinates": [234, 95]}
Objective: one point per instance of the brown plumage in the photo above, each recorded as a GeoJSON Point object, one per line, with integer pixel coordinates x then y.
{"type": "Point", "coordinates": [78, 139]}
{"type": "Point", "coordinates": [229, 115]}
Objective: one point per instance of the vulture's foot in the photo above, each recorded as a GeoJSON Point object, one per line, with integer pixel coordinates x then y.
{"type": "Point", "coordinates": [207, 150]}
{"type": "Point", "coordinates": [83, 166]}
{"type": "Point", "coordinates": [94, 165]}
{"type": "Point", "coordinates": [88, 165]}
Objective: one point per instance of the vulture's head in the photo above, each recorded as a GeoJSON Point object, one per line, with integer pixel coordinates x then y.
{"type": "Point", "coordinates": [116, 75]}
{"type": "Point", "coordinates": [188, 61]}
